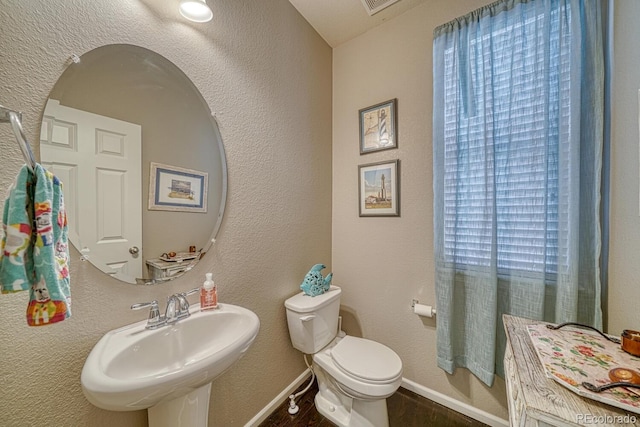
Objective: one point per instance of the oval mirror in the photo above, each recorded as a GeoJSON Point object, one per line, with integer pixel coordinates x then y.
{"type": "Point", "coordinates": [142, 163]}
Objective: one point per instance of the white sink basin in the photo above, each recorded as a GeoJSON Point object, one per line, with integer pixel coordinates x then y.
{"type": "Point", "coordinates": [134, 368]}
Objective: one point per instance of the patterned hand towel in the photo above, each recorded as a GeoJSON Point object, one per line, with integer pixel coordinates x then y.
{"type": "Point", "coordinates": [16, 258]}
{"type": "Point", "coordinates": [37, 259]}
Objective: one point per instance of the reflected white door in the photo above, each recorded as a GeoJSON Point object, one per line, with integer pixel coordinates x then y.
{"type": "Point", "coordinates": [99, 161]}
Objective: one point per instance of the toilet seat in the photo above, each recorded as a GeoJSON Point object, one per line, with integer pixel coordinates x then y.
{"type": "Point", "coordinates": [351, 352]}
{"type": "Point", "coordinates": [366, 360]}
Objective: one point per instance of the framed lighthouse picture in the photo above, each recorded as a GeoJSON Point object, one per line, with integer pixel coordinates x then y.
{"type": "Point", "coordinates": [378, 127]}
{"type": "Point", "coordinates": [379, 189]}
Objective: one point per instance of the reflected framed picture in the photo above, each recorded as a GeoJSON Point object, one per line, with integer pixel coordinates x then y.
{"type": "Point", "coordinates": [172, 188]}
{"type": "Point", "coordinates": [379, 189]}
{"type": "Point", "coordinates": [378, 125]}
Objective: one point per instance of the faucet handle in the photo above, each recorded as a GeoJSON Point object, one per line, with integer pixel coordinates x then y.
{"type": "Point", "coordinates": [191, 292]}
{"type": "Point", "coordinates": [155, 320]}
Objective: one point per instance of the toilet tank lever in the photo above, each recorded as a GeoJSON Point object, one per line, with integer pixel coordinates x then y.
{"type": "Point", "coordinates": [308, 317]}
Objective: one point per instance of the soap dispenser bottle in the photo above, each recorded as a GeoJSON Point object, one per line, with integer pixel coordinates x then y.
{"type": "Point", "coordinates": [208, 294]}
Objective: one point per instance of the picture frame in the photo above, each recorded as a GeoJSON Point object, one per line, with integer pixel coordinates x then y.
{"type": "Point", "coordinates": [172, 188]}
{"type": "Point", "coordinates": [378, 127]}
{"type": "Point", "coordinates": [379, 189]}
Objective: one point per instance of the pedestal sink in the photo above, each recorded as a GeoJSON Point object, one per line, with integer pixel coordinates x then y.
{"type": "Point", "coordinates": [168, 370]}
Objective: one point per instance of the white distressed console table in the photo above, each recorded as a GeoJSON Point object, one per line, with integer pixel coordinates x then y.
{"type": "Point", "coordinates": [535, 400]}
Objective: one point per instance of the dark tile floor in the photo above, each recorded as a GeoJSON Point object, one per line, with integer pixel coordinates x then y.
{"type": "Point", "coordinates": [406, 409]}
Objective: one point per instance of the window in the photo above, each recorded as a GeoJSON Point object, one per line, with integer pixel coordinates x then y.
{"type": "Point", "coordinates": [507, 116]}
{"type": "Point", "coordinates": [518, 137]}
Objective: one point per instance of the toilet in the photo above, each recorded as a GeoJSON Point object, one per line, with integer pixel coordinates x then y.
{"type": "Point", "coordinates": [355, 375]}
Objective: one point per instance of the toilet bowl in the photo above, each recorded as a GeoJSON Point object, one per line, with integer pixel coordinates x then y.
{"type": "Point", "coordinates": [355, 375]}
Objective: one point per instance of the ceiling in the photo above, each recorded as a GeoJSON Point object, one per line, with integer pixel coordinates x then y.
{"type": "Point", "coordinates": [338, 21]}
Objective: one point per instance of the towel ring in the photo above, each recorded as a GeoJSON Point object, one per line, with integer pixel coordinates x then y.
{"type": "Point", "coordinates": [14, 117]}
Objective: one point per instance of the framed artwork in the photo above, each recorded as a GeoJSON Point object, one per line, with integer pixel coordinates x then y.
{"type": "Point", "coordinates": [172, 188]}
{"type": "Point", "coordinates": [378, 125]}
{"type": "Point", "coordinates": [379, 189]}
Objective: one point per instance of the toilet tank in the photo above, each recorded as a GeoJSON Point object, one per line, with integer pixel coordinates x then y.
{"type": "Point", "coordinates": [313, 321]}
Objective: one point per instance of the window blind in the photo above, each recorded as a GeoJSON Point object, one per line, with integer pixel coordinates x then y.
{"type": "Point", "coordinates": [503, 151]}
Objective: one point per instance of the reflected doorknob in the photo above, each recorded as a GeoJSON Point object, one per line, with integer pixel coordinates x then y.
{"type": "Point", "coordinates": [134, 250]}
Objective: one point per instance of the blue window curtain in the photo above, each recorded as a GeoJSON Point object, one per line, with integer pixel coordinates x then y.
{"type": "Point", "coordinates": [517, 139]}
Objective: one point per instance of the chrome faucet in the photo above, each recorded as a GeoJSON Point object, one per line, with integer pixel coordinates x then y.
{"type": "Point", "coordinates": [183, 303]}
{"type": "Point", "coordinates": [177, 308]}
{"type": "Point", "coordinates": [173, 305]}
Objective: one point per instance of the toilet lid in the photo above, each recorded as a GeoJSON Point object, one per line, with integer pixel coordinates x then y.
{"type": "Point", "coordinates": [366, 359]}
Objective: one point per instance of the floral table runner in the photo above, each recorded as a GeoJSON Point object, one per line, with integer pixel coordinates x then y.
{"type": "Point", "coordinates": [571, 356]}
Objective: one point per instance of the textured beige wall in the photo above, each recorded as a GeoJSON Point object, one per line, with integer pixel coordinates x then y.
{"type": "Point", "coordinates": [267, 75]}
{"type": "Point", "coordinates": [624, 268]}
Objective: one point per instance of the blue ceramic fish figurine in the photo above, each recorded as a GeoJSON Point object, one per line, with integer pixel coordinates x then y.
{"type": "Point", "coordinates": [314, 284]}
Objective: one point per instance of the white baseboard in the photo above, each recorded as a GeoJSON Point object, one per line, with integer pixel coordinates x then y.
{"type": "Point", "coordinates": [277, 401]}
{"type": "Point", "coordinates": [421, 390]}
{"type": "Point", "coordinates": [456, 405]}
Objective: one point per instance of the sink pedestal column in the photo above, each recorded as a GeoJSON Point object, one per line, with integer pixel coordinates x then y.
{"type": "Point", "coordinates": [190, 410]}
